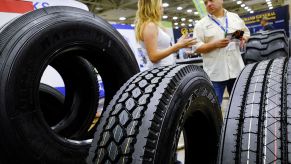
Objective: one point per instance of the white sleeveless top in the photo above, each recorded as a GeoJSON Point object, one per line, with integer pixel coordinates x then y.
{"type": "Point", "coordinates": [164, 41]}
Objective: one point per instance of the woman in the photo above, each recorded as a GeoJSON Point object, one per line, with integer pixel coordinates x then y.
{"type": "Point", "coordinates": [155, 42]}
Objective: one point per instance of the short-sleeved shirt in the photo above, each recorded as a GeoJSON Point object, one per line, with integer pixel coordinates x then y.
{"type": "Point", "coordinates": [223, 63]}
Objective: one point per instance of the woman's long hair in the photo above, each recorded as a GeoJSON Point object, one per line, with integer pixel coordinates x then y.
{"type": "Point", "coordinates": [147, 11]}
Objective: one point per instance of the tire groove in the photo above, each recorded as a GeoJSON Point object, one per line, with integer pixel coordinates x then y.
{"type": "Point", "coordinates": [284, 128]}
{"type": "Point", "coordinates": [241, 118]}
{"type": "Point", "coordinates": [260, 137]}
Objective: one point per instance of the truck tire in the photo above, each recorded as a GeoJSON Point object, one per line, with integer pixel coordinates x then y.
{"type": "Point", "coordinates": [143, 122]}
{"type": "Point", "coordinates": [27, 46]}
{"type": "Point", "coordinates": [257, 122]}
{"type": "Point", "coordinates": [266, 45]}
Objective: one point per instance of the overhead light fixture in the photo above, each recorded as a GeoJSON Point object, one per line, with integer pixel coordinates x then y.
{"type": "Point", "coordinates": [176, 27]}
{"type": "Point", "coordinates": [242, 5]}
{"type": "Point", "coordinates": [165, 5]}
{"type": "Point", "coordinates": [132, 25]}
{"type": "Point", "coordinates": [196, 13]}
{"type": "Point", "coordinates": [182, 24]}
{"type": "Point", "coordinates": [249, 9]}
{"type": "Point", "coordinates": [238, 2]}
{"type": "Point", "coordinates": [179, 8]}
{"type": "Point", "coordinates": [270, 8]}
{"type": "Point", "coordinates": [251, 12]}
{"type": "Point", "coordinates": [190, 20]}
{"type": "Point", "coordinates": [246, 7]}
{"type": "Point", "coordinates": [270, 5]}
{"type": "Point", "coordinates": [190, 25]}
{"type": "Point", "coordinates": [175, 18]}
{"type": "Point", "coordinates": [269, 2]}
{"type": "Point", "coordinates": [189, 11]}
{"type": "Point", "coordinates": [122, 18]}
{"type": "Point", "coordinates": [183, 19]}
{"type": "Point", "coordinates": [175, 23]}
{"type": "Point", "coordinates": [165, 16]}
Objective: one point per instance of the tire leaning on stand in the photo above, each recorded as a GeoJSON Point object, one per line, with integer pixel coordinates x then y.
{"type": "Point", "coordinates": [27, 46]}
{"type": "Point", "coordinates": [143, 122]}
{"type": "Point", "coordinates": [257, 123]}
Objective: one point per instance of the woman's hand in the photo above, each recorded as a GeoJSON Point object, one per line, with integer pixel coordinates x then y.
{"type": "Point", "coordinates": [184, 42]}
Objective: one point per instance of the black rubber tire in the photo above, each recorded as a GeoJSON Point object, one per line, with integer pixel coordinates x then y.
{"type": "Point", "coordinates": [52, 104]}
{"type": "Point", "coordinates": [143, 122]}
{"type": "Point", "coordinates": [266, 45]}
{"type": "Point", "coordinates": [27, 46]}
{"type": "Point", "coordinates": [257, 122]}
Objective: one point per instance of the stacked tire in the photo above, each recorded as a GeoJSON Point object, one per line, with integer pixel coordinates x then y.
{"type": "Point", "coordinates": [266, 45]}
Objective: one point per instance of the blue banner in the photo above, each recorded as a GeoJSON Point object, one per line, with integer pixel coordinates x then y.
{"type": "Point", "coordinates": [277, 17]}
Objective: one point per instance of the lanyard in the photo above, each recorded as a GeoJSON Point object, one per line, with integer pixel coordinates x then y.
{"type": "Point", "coordinates": [225, 30]}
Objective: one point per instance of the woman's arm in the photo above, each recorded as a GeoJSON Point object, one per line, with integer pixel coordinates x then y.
{"type": "Point", "coordinates": [150, 38]}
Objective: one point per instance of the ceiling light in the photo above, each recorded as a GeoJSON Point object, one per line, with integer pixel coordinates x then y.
{"type": "Point", "coordinates": [190, 25]}
{"type": "Point", "coordinates": [183, 19]}
{"type": "Point", "coordinates": [269, 2]}
{"type": "Point", "coordinates": [242, 5]}
{"type": "Point", "coordinates": [122, 18]}
{"type": "Point", "coordinates": [251, 12]}
{"type": "Point", "coordinates": [165, 16]}
{"type": "Point", "coordinates": [176, 27]}
{"type": "Point", "coordinates": [249, 9]}
{"type": "Point", "coordinates": [190, 20]}
{"type": "Point", "coordinates": [270, 8]}
{"type": "Point", "coordinates": [270, 5]}
{"type": "Point", "coordinates": [182, 24]}
{"type": "Point", "coordinates": [246, 7]}
{"type": "Point", "coordinates": [132, 25]}
{"type": "Point", "coordinates": [196, 13]}
{"type": "Point", "coordinates": [189, 11]}
{"type": "Point", "coordinates": [175, 23]}
{"type": "Point", "coordinates": [165, 5]}
{"type": "Point", "coordinates": [179, 8]}
{"type": "Point", "coordinates": [175, 18]}
{"type": "Point", "coordinates": [238, 2]}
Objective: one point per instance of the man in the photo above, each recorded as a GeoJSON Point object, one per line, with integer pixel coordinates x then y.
{"type": "Point", "coordinates": [222, 59]}
{"type": "Point", "coordinates": [266, 26]}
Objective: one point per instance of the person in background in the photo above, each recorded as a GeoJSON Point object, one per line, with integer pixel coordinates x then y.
{"type": "Point", "coordinates": [266, 26]}
{"type": "Point", "coordinates": [155, 42]}
{"type": "Point", "coordinates": [222, 59]}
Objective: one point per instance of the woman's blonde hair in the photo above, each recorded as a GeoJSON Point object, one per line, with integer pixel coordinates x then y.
{"type": "Point", "coordinates": [147, 11]}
